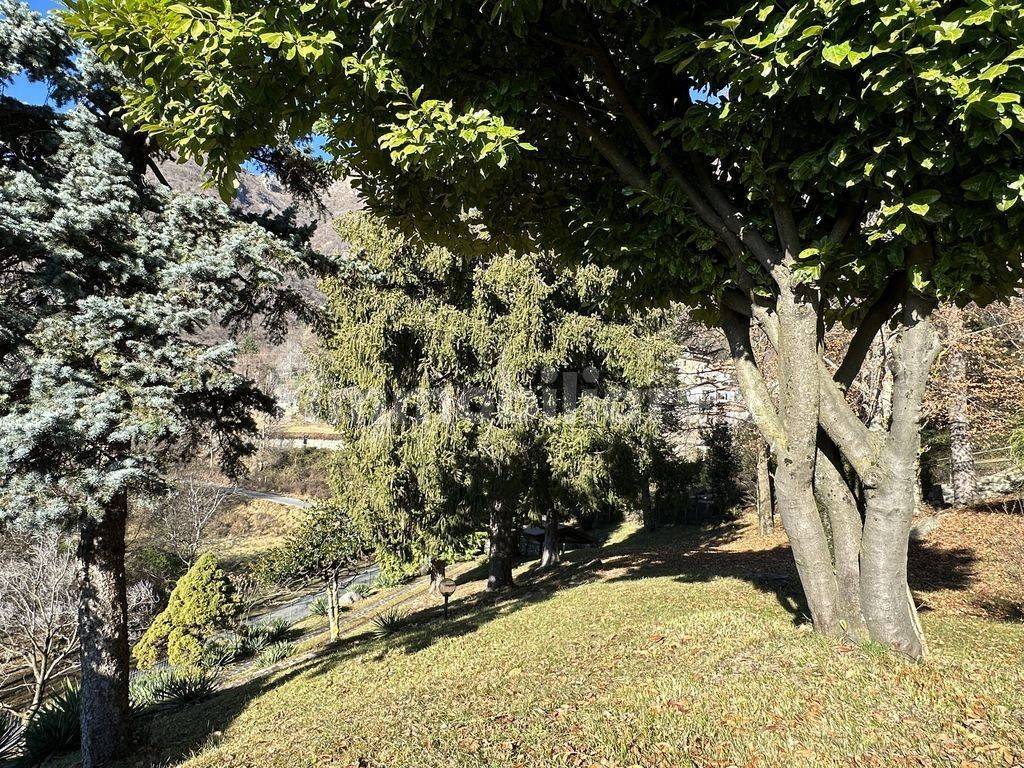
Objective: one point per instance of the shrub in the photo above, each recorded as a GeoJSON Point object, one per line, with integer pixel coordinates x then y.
{"type": "Point", "coordinates": [55, 727]}
{"type": "Point", "coordinates": [10, 737]}
{"type": "Point", "coordinates": [275, 653]}
{"type": "Point", "coordinates": [388, 622]}
{"type": "Point", "coordinates": [318, 607]}
{"type": "Point", "coordinates": [186, 687]}
{"type": "Point", "coordinates": [201, 603]}
{"type": "Point", "coordinates": [277, 629]}
{"type": "Point", "coordinates": [720, 468]}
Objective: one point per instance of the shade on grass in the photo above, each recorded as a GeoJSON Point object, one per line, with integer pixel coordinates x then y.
{"type": "Point", "coordinates": [646, 656]}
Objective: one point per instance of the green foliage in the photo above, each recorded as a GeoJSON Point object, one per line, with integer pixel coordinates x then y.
{"type": "Point", "coordinates": [10, 736]}
{"type": "Point", "coordinates": [201, 603]}
{"type": "Point", "coordinates": [145, 686]}
{"type": "Point", "coordinates": [55, 728]}
{"type": "Point", "coordinates": [222, 651]}
{"type": "Point", "coordinates": [437, 346]}
{"type": "Point", "coordinates": [720, 467]}
{"type": "Point", "coordinates": [323, 545]}
{"type": "Point", "coordinates": [116, 283]}
{"type": "Point", "coordinates": [363, 589]}
{"type": "Point", "coordinates": [318, 607]}
{"type": "Point", "coordinates": [275, 653]}
{"type": "Point", "coordinates": [389, 622]}
{"type": "Point", "coordinates": [183, 688]}
{"type": "Point", "coordinates": [904, 115]}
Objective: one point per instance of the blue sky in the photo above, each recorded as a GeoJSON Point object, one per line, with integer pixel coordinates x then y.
{"type": "Point", "coordinates": [20, 88]}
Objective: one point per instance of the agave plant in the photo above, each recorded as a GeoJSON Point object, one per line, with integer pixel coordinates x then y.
{"type": "Point", "coordinates": [55, 727]}
{"type": "Point", "coordinates": [275, 653]}
{"type": "Point", "coordinates": [388, 622]}
{"type": "Point", "coordinates": [318, 607]}
{"type": "Point", "coordinates": [186, 687]}
{"type": "Point", "coordinates": [10, 737]}
{"type": "Point", "coordinates": [224, 651]}
{"type": "Point", "coordinates": [144, 688]}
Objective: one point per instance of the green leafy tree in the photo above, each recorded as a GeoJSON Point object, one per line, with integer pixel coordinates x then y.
{"type": "Point", "coordinates": [431, 365]}
{"type": "Point", "coordinates": [201, 603]}
{"type": "Point", "coordinates": [837, 162]}
{"type": "Point", "coordinates": [108, 287]}
{"type": "Point", "coordinates": [325, 546]}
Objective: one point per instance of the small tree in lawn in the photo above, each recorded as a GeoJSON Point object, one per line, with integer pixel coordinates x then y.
{"type": "Point", "coordinates": [325, 547]}
{"type": "Point", "coordinates": [437, 345]}
{"type": "Point", "coordinates": [106, 380]}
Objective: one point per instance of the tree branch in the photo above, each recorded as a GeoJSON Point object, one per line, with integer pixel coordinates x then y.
{"type": "Point", "coordinates": [878, 313]}
{"type": "Point", "coordinates": [759, 401]}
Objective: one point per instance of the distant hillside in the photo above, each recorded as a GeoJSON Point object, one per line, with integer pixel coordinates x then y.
{"type": "Point", "coordinates": [259, 194]}
{"type": "Point", "coordinates": [276, 367]}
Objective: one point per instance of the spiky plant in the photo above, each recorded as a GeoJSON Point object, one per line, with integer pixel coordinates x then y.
{"type": "Point", "coordinates": [388, 622]}
{"type": "Point", "coordinates": [318, 607]}
{"type": "Point", "coordinates": [272, 654]}
{"type": "Point", "coordinates": [10, 737]}
{"type": "Point", "coordinates": [186, 687]}
{"type": "Point", "coordinates": [55, 727]}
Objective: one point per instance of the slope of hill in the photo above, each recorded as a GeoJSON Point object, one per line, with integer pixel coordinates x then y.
{"type": "Point", "coordinates": [684, 647]}
{"type": "Point", "coordinates": [259, 194]}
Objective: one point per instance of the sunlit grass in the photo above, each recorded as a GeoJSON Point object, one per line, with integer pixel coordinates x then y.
{"type": "Point", "coordinates": [635, 659]}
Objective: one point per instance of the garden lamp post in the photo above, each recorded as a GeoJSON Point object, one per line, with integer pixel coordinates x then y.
{"type": "Point", "coordinates": [447, 588]}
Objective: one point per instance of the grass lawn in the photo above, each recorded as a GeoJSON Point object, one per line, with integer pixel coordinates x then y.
{"type": "Point", "coordinates": [677, 648]}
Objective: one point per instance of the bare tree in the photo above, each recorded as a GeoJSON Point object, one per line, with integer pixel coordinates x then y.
{"type": "Point", "coordinates": [38, 614]}
{"type": "Point", "coordinates": [142, 604]}
{"type": "Point", "coordinates": [183, 518]}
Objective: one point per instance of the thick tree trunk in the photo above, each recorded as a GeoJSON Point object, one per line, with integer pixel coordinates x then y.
{"type": "Point", "coordinates": [501, 552]}
{"type": "Point", "coordinates": [889, 610]}
{"type": "Point", "coordinates": [837, 499]}
{"type": "Point", "coordinates": [103, 626]}
{"type": "Point", "coordinates": [764, 501]}
{"type": "Point", "coordinates": [794, 474]}
{"type": "Point", "coordinates": [551, 550]}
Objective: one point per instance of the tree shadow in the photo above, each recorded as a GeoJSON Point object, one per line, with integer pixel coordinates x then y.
{"type": "Point", "coordinates": [686, 554]}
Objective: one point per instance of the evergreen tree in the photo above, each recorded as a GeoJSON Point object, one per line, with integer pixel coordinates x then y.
{"type": "Point", "coordinates": [108, 286]}
{"type": "Point", "coordinates": [435, 356]}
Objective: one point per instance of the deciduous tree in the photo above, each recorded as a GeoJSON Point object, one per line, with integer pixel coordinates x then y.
{"type": "Point", "coordinates": [835, 162]}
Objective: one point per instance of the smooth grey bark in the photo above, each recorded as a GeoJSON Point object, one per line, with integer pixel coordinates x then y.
{"type": "Point", "coordinates": [551, 550]}
{"type": "Point", "coordinates": [103, 627]}
{"type": "Point", "coordinates": [840, 505]}
{"type": "Point", "coordinates": [333, 606]}
{"type": "Point", "coordinates": [794, 475]}
{"type": "Point", "coordinates": [888, 605]}
{"type": "Point", "coordinates": [501, 551]}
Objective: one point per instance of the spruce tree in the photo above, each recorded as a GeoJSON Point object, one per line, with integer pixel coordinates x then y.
{"type": "Point", "coordinates": [108, 287]}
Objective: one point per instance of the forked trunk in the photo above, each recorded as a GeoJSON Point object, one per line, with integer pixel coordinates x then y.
{"type": "Point", "coordinates": [794, 473]}
{"type": "Point", "coordinates": [840, 506]}
{"type": "Point", "coordinates": [103, 627]}
{"type": "Point", "coordinates": [501, 549]}
{"type": "Point", "coordinates": [333, 607]}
